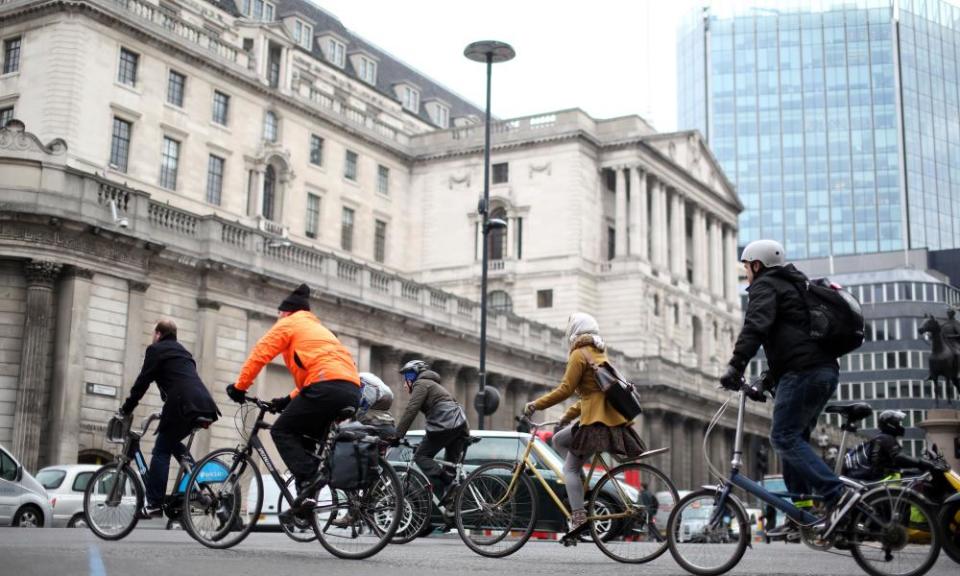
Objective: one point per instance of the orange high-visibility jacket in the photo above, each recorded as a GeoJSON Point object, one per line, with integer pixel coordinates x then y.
{"type": "Point", "coordinates": [311, 352]}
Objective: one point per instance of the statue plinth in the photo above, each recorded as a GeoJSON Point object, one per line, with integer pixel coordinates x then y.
{"type": "Point", "coordinates": [943, 429]}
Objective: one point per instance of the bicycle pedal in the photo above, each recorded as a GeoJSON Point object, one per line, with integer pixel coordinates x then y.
{"type": "Point", "coordinates": [568, 541]}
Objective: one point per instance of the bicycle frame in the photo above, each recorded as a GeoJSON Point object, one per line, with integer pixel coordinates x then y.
{"type": "Point", "coordinates": [525, 463]}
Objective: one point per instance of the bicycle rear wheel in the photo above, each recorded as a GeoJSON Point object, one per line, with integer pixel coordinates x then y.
{"type": "Point", "coordinates": [223, 499]}
{"type": "Point", "coordinates": [950, 529]}
{"type": "Point", "coordinates": [417, 505]}
{"type": "Point", "coordinates": [704, 540]}
{"type": "Point", "coordinates": [356, 524]}
{"type": "Point", "coordinates": [112, 515]}
{"type": "Point", "coordinates": [495, 516]}
{"type": "Point", "coordinates": [632, 539]}
{"type": "Point", "coordinates": [893, 532]}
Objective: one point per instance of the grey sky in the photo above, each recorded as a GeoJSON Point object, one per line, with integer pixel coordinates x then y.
{"type": "Point", "coordinates": [609, 57]}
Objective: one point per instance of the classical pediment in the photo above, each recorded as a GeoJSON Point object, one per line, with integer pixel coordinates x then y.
{"type": "Point", "coordinates": [16, 142]}
{"type": "Point", "coordinates": [688, 150]}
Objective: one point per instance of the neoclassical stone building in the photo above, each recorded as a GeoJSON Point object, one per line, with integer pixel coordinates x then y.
{"type": "Point", "coordinates": [196, 160]}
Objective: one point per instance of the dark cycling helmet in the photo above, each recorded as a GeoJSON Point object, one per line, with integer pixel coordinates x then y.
{"type": "Point", "coordinates": [891, 422]}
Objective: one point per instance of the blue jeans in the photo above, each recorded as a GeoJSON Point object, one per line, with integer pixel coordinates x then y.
{"type": "Point", "coordinates": [801, 397]}
{"type": "Point", "coordinates": [168, 444]}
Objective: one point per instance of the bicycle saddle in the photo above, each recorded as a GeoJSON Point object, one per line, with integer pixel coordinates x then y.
{"type": "Point", "coordinates": [473, 440]}
{"type": "Point", "coordinates": [202, 422]}
{"type": "Point", "coordinates": [852, 412]}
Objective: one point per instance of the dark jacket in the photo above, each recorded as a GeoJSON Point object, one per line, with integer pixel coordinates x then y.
{"type": "Point", "coordinates": [184, 396]}
{"type": "Point", "coordinates": [432, 399]}
{"type": "Point", "coordinates": [777, 318]}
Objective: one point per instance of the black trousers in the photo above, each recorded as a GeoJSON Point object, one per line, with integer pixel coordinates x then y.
{"type": "Point", "coordinates": [455, 443]}
{"type": "Point", "coordinates": [169, 442]}
{"type": "Point", "coordinates": [310, 414]}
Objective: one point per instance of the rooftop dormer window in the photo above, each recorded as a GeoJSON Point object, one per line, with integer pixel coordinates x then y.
{"type": "Point", "coordinates": [439, 112]}
{"type": "Point", "coordinates": [303, 34]}
{"type": "Point", "coordinates": [410, 98]}
{"type": "Point", "coordinates": [335, 51]}
{"type": "Point", "coordinates": [367, 70]}
{"type": "Point", "coordinates": [258, 10]}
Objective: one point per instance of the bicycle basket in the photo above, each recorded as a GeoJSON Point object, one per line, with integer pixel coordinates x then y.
{"type": "Point", "coordinates": [117, 429]}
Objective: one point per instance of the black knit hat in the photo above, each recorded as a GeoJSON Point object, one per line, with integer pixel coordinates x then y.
{"type": "Point", "coordinates": [299, 299]}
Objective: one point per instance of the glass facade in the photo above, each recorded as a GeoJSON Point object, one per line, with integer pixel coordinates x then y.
{"type": "Point", "coordinates": [801, 105]}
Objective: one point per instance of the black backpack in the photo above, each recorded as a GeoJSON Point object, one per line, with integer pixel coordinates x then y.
{"type": "Point", "coordinates": [836, 319]}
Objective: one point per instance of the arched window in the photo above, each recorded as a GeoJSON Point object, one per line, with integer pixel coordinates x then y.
{"type": "Point", "coordinates": [270, 124]}
{"type": "Point", "coordinates": [499, 301]}
{"type": "Point", "coordinates": [269, 191]}
{"type": "Point", "coordinates": [498, 237]}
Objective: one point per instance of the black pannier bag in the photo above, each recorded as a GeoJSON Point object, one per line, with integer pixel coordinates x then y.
{"type": "Point", "coordinates": [836, 318]}
{"type": "Point", "coordinates": [354, 462]}
{"type": "Point", "coordinates": [620, 394]}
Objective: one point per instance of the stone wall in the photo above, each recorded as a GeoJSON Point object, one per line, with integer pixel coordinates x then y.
{"type": "Point", "coordinates": [12, 307]}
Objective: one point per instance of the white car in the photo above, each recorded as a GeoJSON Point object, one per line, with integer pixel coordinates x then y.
{"type": "Point", "coordinates": [23, 501]}
{"type": "Point", "coordinates": [65, 485]}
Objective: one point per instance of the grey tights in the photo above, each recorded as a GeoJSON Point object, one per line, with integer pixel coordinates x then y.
{"type": "Point", "coordinates": [572, 467]}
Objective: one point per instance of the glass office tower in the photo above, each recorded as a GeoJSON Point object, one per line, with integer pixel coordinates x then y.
{"type": "Point", "coordinates": [839, 122]}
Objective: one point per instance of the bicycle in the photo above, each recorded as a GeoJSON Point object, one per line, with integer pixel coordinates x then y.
{"type": "Point", "coordinates": [496, 509]}
{"type": "Point", "coordinates": [113, 508]}
{"type": "Point", "coordinates": [890, 521]}
{"type": "Point", "coordinates": [419, 498]}
{"type": "Point", "coordinates": [345, 521]}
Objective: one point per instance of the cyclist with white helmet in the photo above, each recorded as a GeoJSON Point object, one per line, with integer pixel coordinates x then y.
{"type": "Point", "coordinates": [376, 398]}
{"type": "Point", "coordinates": [446, 426]}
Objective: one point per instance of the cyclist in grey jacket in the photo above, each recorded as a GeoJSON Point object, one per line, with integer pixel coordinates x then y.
{"type": "Point", "coordinates": [446, 426]}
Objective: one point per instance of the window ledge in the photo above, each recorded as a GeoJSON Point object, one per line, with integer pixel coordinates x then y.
{"type": "Point", "coordinates": [319, 167]}
{"type": "Point", "coordinates": [10, 74]}
{"type": "Point", "coordinates": [351, 182]}
{"type": "Point", "coordinates": [128, 87]}
{"type": "Point", "coordinates": [174, 107]}
{"type": "Point", "coordinates": [221, 127]}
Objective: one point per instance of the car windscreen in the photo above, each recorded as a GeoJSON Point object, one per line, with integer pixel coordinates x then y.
{"type": "Point", "coordinates": [51, 479]}
{"type": "Point", "coordinates": [550, 458]}
{"type": "Point", "coordinates": [494, 449]}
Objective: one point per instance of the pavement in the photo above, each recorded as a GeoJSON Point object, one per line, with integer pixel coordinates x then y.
{"type": "Point", "coordinates": [145, 552]}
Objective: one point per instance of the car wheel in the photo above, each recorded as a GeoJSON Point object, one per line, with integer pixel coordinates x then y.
{"type": "Point", "coordinates": [28, 516]}
{"type": "Point", "coordinates": [77, 521]}
{"type": "Point", "coordinates": [607, 529]}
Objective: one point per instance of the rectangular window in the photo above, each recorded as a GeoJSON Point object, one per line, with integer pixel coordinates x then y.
{"type": "Point", "coordinates": [336, 52]}
{"type": "Point", "coordinates": [214, 179]}
{"type": "Point", "coordinates": [346, 229]}
{"type": "Point", "coordinates": [168, 163]}
{"type": "Point", "coordinates": [380, 241]}
{"type": "Point", "coordinates": [411, 99]}
{"type": "Point", "coordinates": [316, 150]}
{"type": "Point", "coordinates": [350, 166]}
{"type": "Point", "coordinates": [120, 144]}
{"type": "Point", "coordinates": [176, 84]}
{"type": "Point", "coordinates": [545, 298]}
{"type": "Point", "coordinates": [443, 117]}
{"type": "Point", "coordinates": [611, 242]}
{"type": "Point", "coordinates": [501, 173]}
{"type": "Point", "coordinates": [6, 115]}
{"type": "Point", "coordinates": [313, 215]}
{"type": "Point", "coordinates": [367, 70]}
{"type": "Point", "coordinates": [128, 67]}
{"type": "Point", "coordinates": [383, 180]}
{"type": "Point", "coordinates": [221, 107]}
{"type": "Point", "coordinates": [303, 34]}
{"type": "Point", "coordinates": [11, 55]}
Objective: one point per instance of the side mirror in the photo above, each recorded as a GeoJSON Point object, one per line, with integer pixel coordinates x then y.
{"type": "Point", "coordinates": [19, 473]}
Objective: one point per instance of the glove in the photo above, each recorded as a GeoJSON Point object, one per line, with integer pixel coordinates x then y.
{"type": "Point", "coordinates": [280, 403]}
{"type": "Point", "coordinates": [529, 409]}
{"type": "Point", "coordinates": [732, 379]}
{"type": "Point", "coordinates": [237, 395]}
{"type": "Point", "coordinates": [561, 425]}
{"type": "Point", "coordinates": [758, 388]}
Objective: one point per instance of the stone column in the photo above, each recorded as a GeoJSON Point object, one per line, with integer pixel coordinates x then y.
{"type": "Point", "coordinates": [680, 465]}
{"type": "Point", "coordinates": [621, 215]}
{"type": "Point", "coordinates": [471, 380]}
{"type": "Point", "coordinates": [665, 228]}
{"type": "Point", "coordinates": [70, 350]}
{"type": "Point", "coordinates": [498, 420]}
{"type": "Point", "coordinates": [678, 236]}
{"type": "Point", "coordinates": [34, 389]}
{"type": "Point", "coordinates": [448, 374]}
{"type": "Point", "coordinates": [700, 249]}
{"type": "Point", "coordinates": [135, 344]}
{"type": "Point", "coordinates": [698, 467]}
{"type": "Point", "coordinates": [730, 264]}
{"type": "Point", "coordinates": [205, 355]}
{"type": "Point", "coordinates": [390, 364]}
{"type": "Point", "coordinates": [657, 225]}
{"type": "Point", "coordinates": [363, 357]}
{"type": "Point", "coordinates": [716, 257]}
{"type": "Point", "coordinates": [638, 214]}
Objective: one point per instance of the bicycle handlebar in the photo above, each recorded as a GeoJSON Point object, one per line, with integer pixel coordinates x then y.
{"type": "Point", "coordinates": [261, 404]}
{"type": "Point", "coordinates": [537, 426]}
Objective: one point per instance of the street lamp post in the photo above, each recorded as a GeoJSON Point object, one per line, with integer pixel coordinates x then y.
{"type": "Point", "coordinates": [488, 52]}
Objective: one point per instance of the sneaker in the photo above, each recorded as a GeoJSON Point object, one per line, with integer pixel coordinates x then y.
{"type": "Point", "coordinates": [344, 521]}
{"type": "Point", "coordinates": [786, 530]}
{"type": "Point", "coordinates": [577, 519]}
{"type": "Point", "coordinates": [837, 510]}
{"type": "Point", "coordinates": [149, 512]}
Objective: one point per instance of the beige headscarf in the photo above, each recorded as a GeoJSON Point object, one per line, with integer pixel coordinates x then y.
{"type": "Point", "coordinates": [581, 324]}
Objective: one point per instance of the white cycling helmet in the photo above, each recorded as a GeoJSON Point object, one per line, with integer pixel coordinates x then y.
{"type": "Point", "coordinates": [770, 253]}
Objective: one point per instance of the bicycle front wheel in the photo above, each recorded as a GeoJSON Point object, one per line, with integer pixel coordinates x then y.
{"type": "Point", "coordinates": [111, 502]}
{"type": "Point", "coordinates": [622, 523]}
{"type": "Point", "coordinates": [496, 512]}
{"type": "Point", "coordinates": [893, 532]}
{"type": "Point", "coordinates": [417, 505]}
{"type": "Point", "coordinates": [706, 540]}
{"type": "Point", "coordinates": [356, 524]}
{"type": "Point", "coordinates": [223, 499]}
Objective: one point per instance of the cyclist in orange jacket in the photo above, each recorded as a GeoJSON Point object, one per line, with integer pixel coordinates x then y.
{"type": "Point", "coordinates": [326, 382]}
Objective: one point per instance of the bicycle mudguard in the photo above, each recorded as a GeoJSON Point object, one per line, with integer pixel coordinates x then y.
{"type": "Point", "coordinates": [213, 471]}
